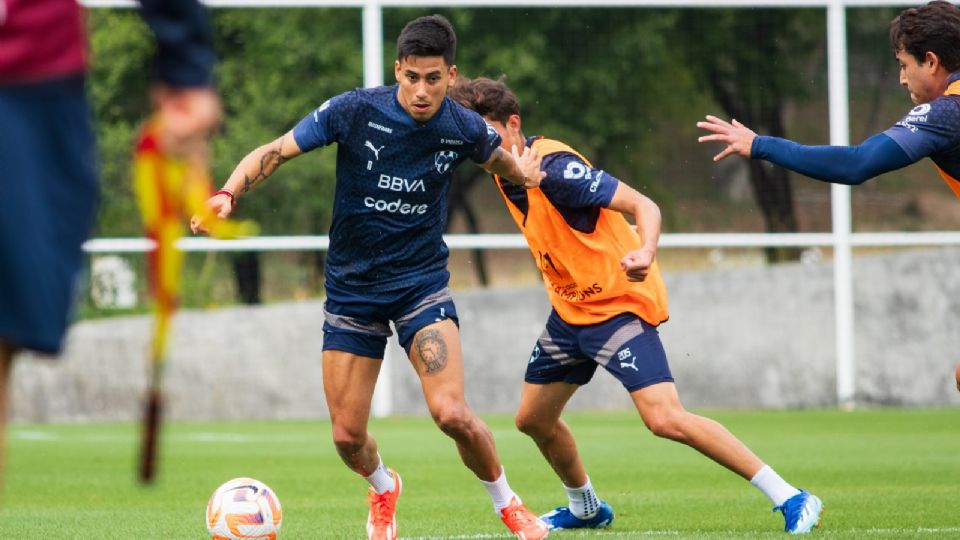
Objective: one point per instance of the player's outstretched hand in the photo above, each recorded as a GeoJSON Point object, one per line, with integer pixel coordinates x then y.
{"type": "Point", "coordinates": [220, 205]}
{"type": "Point", "coordinates": [738, 137]}
{"type": "Point", "coordinates": [529, 164]}
{"type": "Point", "coordinates": [636, 264]}
{"type": "Point", "coordinates": [958, 376]}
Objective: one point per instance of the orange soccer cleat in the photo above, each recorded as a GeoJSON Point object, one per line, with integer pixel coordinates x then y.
{"type": "Point", "coordinates": [522, 522]}
{"type": "Point", "coordinates": [382, 519]}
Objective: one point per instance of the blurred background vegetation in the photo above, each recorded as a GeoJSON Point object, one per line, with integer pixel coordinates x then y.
{"type": "Point", "coordinates": [623, 86]}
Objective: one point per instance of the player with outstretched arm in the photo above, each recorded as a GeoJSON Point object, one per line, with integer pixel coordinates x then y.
{"type": "Point", "coordinates": [926, 42]}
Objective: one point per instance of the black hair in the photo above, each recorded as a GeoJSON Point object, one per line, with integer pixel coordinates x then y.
{"type": "Point", "coordinates": [934, 27]}
{"type": "Point", "coordinates": [428, 36]}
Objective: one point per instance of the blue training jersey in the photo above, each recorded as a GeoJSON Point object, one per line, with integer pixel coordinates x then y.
{"type": "Point", "coordinates": [932, 130]}
{"type": "Point", "coordinates": [393, 174]}
{"type": "Point", "coordinates": [576, 189]}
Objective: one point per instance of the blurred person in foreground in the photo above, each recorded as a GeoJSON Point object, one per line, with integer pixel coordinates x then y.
{"type": "Point", "coordinates": [608, 298]}
{"type": "Point", "coordinates": [397, 147]}
{"type": "Point", "coordinates": [48, 178]}
{"type": "Point", "coordinates": [926, 43]}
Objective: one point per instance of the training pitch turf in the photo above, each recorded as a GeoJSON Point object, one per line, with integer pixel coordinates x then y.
{"type": "Point", "coordinates": [881, 474]}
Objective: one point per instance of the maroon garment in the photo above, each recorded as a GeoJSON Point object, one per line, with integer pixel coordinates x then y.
{"type": "Point", "coordinates": [41, 40]}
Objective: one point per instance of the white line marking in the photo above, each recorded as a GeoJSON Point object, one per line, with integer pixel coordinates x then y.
{"type": "Point", "coordinates": [636, 534]}
{"type": "Point", "coordinates": [568, 534]}
{"type": "Point", "coordinates": [33, 435]}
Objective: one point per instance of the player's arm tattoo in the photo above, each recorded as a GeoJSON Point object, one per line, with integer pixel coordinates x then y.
{"type": "Point", "coordinates": [499, 161]}
{"type": "Point", "coordinates": [432, 350]}
{"type": "Point", "coordinates": [502, 163]}
{"type": "Point", "coordinates": [269, 161]}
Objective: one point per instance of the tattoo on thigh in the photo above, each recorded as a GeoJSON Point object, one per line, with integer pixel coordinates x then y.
{"type": "Point", "coordinates": [432, 350]}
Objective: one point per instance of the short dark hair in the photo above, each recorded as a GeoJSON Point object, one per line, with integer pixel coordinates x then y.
{"type": "Point", "coordinates": [934, 27]}
{"type": "Point", "coordinates": [489, 98]}
{"type": "Point", "coordinates": [428, 36]}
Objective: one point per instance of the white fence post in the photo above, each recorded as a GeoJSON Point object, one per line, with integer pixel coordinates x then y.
{"type": "Point", "coordinates": [840, 206]}
{"type": "Point", "coordinates": [382, 404]}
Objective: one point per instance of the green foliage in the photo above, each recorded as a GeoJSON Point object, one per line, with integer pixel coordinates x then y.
{"type": "Point", "coordinates": [887, 474]}
{"type": "Point", "coordinates": [623, 86]}
{"type": "Point", "coordinates": [119, 83]}
{"type": "Point", "coordinates": [277, 66]}
{"type": "Point", "coordinates": [758, 59]}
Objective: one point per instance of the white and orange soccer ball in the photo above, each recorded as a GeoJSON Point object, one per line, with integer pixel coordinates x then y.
{"type": "Point", "coordinates": [244, 508]}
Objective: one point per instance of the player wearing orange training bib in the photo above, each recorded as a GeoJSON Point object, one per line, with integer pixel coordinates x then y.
{"type": "Point", "coordinates": [608, 297]}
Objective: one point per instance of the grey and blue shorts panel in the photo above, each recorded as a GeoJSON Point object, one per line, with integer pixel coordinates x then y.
{"type": "Point", "coordinates": [626, 346]}
{"type": "Point", "coordinates": [360, 324]}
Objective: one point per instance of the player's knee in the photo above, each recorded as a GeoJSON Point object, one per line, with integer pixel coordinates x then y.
{"type": "Point", "coordinates": [453, 418]}
{"type": "Point", "coordinates": [530, 425]}
{"type": "Point", "coordinates": [348, 441]}
{"type": "Point", "coordinates": [665, 423]}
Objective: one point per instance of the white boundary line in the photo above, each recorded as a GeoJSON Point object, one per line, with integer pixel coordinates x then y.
{"type": "Point", "coordinates": [655, 533]}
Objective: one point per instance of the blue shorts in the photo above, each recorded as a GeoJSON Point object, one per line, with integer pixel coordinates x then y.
{"type": "Point", "coordinates": [626, 345]}
{"type": "Point", "coordinates": [360, 324]}
{"type": "Point", "coordinates": [48, 196]}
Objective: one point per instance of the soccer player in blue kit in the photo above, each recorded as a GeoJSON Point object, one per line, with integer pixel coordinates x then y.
{"type": "Point", "coordinates": [926, 41]}
{"type": "Point", "coordinates": [397, 149]}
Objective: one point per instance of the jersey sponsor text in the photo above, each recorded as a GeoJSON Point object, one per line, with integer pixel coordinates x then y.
{"type": "Point", "coordinates": [395, 207]}
{"type": "Point", "coordinates": [395, 183]}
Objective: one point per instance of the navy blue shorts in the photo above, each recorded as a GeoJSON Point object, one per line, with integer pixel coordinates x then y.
{"type": "Point", "coordinates": [360, 324]}
{"type": "Point", "coordinates": [626, 345]}
{"type": "Point", "coordinates": [48, 196]}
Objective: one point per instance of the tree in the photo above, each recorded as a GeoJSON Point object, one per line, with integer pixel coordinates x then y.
{"type": "Point", "coordinates": [755, 62]}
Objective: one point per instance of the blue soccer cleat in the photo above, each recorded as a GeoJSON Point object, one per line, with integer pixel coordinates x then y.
{"type": "Point", "coordinates": [563, 518]}
{"type": "Point", "coordinates": [801, 512]}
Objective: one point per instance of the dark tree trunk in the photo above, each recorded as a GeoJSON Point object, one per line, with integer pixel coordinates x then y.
{"type": "Point", "coordinates": [771, 184]}
{"type": "Point", "coordinates": [246, 270]}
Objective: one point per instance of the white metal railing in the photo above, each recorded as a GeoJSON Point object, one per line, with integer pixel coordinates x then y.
{"type": "Point", "coordinates": [841, 239]}
{"type": "Point", "coordinates": [516, 241]}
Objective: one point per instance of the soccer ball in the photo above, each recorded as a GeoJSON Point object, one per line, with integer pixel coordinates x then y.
{"type": "Point", "coordinates": [244, 508]}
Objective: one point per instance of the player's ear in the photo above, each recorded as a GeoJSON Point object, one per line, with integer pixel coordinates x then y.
{"type": "Point", "coordinates": [396, 69]}
{"type": "Point", "coordinates": [453, 75]}
{"type": "Point", "coordinates": [514, 122]}
{"type": "Point", "coordinates": [933, 59]}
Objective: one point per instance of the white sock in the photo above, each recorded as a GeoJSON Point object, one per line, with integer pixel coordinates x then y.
{"type": "Point", "coordinates": [381, 479]}
{"type": "Point", "coordinates": [583, 500]}
{"type": "Point", "coordinates": [500, 492]}
{"type": "Point", "coordinates": [769, 482]}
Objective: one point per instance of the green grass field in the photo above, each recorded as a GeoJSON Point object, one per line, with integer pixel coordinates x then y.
{"type": "Point", "coordinates": [881, 474]}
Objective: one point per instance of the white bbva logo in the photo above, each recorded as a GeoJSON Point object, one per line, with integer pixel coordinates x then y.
{"type": "Point", "coordinates": [443, 159]}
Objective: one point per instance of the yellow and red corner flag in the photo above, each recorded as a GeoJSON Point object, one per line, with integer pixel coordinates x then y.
{"type": "Point", "coordinates": [169, 189]}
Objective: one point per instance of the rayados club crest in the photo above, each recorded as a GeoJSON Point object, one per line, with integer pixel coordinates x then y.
{"type": "Point", "coordinates": [443, 159]}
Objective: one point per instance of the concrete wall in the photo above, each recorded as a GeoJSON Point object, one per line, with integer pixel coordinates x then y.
{"type": "Point", "coordinates": [738, 338]}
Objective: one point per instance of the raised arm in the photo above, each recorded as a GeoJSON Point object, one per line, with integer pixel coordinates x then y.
{"type": "Point", "coordinates": [520, 169]}
{"type": "Point", "coordinates": [249, 173]}
{"type": "Point", "coordinates": [848, 165]}
{"type": "Point", "coordinates": [636, 264]}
